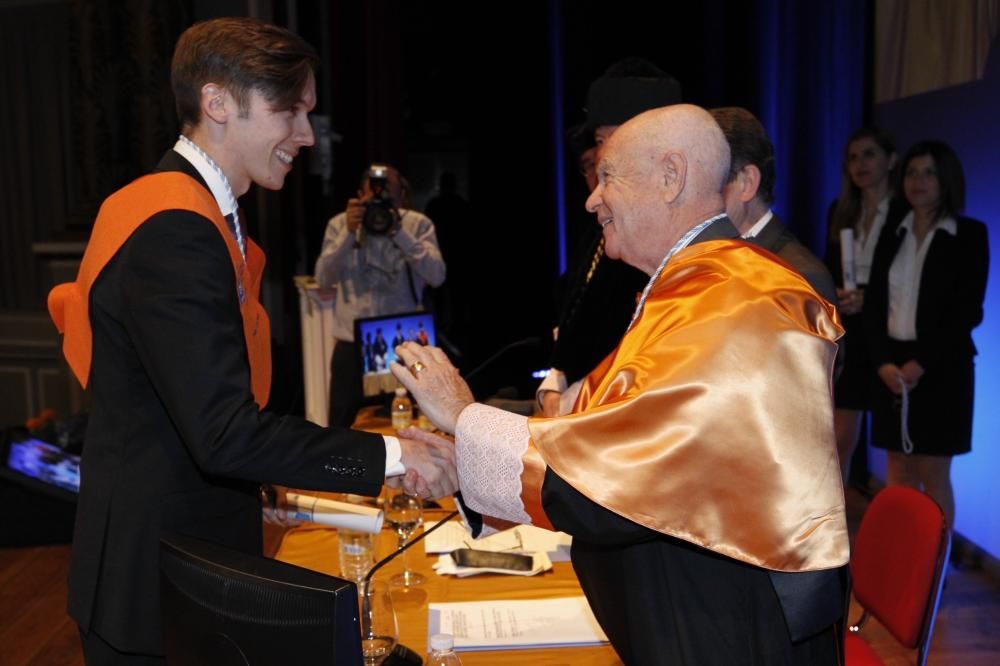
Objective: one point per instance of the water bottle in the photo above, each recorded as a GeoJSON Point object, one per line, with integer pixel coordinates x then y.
{"type": "Point", "coordinates": [442, 651]}
{"type": "Point", "coordinates": [402, 410]}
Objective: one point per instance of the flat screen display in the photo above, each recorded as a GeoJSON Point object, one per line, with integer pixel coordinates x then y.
{"type": "Point", "coordinates": [46, 463]}
{"type": "Point", "coordinates": [377, 339]}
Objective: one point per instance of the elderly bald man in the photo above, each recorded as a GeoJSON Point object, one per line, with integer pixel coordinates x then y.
{"type": "Point", "coordinates": [698, 472]}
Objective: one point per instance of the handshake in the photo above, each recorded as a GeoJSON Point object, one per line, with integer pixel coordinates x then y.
{"type": "Point", "coordinates": [430, 465]}
{"type": "Point", "coordinates": [442, 394]}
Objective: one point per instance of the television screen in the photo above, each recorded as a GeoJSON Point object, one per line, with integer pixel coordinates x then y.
{"type": "Point", "coordinates": [46, 463]}
{"type": "Point", "coordinates": [377, 338]}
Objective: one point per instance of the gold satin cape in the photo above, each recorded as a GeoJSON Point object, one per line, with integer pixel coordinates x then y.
{"type": "Point", "coordinates": [712, 421]}
{"type": "Point", "coordinates": [119, 217]}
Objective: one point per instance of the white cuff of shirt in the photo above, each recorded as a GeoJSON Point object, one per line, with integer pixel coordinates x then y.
{"type": "Point", "coordinates": [393, 456]}
{"type": "Point", "coordinates": [554, 381]}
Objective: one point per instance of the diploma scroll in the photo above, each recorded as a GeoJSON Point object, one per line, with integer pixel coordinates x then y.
{"type": "Point", "coordinates": [334, 514]}
{"type": "Point", "coordinates": [847, 259]}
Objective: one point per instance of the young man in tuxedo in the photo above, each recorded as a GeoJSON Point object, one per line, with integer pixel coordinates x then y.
{"type": "Point", "coordinates": [165, 328]}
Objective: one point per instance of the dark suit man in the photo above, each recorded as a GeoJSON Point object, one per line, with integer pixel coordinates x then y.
{"type": "Point", "coordinates": [165, 326]}
{"type": "Point", "coordinates": [749, 192]}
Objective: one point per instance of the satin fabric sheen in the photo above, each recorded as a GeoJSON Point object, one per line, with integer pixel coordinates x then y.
{"type": "Point", "coordinates": [119, 217]}
{"type": "Point", "coordinates": [713, 420]}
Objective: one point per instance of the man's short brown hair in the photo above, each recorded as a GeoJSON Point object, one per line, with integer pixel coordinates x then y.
{"type": "Point", "coordinates": [748, 144]}
{"type": "Point", "coordinates": [241, 54]}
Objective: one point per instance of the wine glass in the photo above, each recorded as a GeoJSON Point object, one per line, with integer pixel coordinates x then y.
{"type": "Point", "coordinates": [379, 631]}
{"type": "Point", "coordinates": [404, 514]}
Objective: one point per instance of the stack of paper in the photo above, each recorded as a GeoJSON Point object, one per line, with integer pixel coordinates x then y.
{"type": "Point", "coordinates": [511, 625]}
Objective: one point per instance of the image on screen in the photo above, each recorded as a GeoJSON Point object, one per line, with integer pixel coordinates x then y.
{"type": "Point", "coordinates": [377, 339]}
{"type": "Point", "coordinates": [45, 462]}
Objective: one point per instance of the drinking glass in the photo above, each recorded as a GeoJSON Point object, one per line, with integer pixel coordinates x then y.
{"type": "Point", "coordinates": [379, 631]}
{"type": "Point", "coordinates": [404, 513]}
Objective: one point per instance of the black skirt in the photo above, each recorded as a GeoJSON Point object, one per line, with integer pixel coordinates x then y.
{"type": "Point", "coordinates": [940, 409]}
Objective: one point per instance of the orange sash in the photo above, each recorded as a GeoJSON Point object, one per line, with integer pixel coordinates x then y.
{"type": "Point", "coordinates": [120, 215]}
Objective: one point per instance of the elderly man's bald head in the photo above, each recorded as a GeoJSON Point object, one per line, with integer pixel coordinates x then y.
{"type": "Point", "coordinates": [692, 131]}
{"type": "Point", "coordinates": [660, 174]}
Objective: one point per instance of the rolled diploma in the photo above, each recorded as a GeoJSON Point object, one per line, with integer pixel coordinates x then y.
{"type": "Point", "coordinates": [334, 514]}
{"type": "Point", "coordinates": [847, 258]}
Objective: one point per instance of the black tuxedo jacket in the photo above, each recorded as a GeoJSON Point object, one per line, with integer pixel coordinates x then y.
{"type": "Point", "coordinates": [175, 442]}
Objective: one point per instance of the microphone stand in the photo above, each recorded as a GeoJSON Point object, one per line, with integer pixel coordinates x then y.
{"type": "Point", "coordinates": [365, 599]}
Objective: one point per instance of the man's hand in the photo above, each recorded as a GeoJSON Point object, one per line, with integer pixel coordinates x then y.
{"type": "Point", "coordinates": [355, 212]}
{"type": "Point", "coordinates": [430, 464]}
{"type": "Point", "coordinates": [434, 382]}
{"type": "Point", "coordinates": [273, 506]}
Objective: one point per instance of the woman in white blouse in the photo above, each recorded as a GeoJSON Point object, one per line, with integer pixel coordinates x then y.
{"type": "Point", "coordinates": [865, 205]}
{"type": "Point", "coordinates": [925, 295]}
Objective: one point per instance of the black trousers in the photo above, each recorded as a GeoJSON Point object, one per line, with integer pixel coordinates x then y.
{"type": "Point", "coordinates": [668, 603]}
{"type": "Point", "coordinates": [345, 384]}
{"type": "Point", "coordinates": [98, 652]}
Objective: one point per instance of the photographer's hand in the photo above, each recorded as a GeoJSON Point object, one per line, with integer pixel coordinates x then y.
{"type": "Point", "coordinates": [355, 213]}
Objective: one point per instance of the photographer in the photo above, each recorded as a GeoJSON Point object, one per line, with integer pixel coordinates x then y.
{"type": "Point", "coordinates": [379, 256]}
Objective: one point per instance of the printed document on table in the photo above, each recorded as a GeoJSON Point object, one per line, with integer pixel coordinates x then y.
{"type": "Point", "coordinates": [511, 625]}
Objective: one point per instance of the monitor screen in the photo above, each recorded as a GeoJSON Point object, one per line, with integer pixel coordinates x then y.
{"type": "Point", "coordinates": [377, 338]}
{"type": "Point", "coordinates": [46, 463]}
{"type": "Point", "coordinates": [222, 606]}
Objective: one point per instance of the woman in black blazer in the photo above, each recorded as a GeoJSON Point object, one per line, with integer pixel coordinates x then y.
{"type": "Point", "coordinates": [867, 204]}
{"type": "Point", "coordinates": [925, 296]}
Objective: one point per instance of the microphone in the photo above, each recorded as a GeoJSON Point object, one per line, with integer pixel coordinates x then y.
{"type": "Point", "coordinates": [533, 341]}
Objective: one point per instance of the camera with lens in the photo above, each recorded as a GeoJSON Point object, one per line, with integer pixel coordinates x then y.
{"type": "Point", "coordinates": [380, 211]}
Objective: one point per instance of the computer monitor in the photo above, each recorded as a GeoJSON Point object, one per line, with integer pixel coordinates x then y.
{"type": "Point", "coordinates": [376, 339]}
{"type": "Point", "coordinates": [223, 607]}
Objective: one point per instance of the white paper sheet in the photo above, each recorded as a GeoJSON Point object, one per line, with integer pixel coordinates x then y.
{"type": "Point", "coordinates": [509, 625]}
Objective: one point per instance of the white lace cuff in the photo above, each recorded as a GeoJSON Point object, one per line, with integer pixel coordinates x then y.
{"type": "Point", "coordinates": [489, 444]}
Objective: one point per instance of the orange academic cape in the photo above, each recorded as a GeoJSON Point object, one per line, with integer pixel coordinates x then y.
{"type": "Point", "coordinates": [120, 215]}
{"type": "Point", "coordinates": [713, 419]}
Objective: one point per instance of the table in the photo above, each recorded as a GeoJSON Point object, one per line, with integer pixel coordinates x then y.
{"type": "Point", "coordinates": [315, 547]}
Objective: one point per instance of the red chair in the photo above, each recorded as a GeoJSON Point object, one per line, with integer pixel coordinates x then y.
{"type": "Point", "coordinates": [897, 567]}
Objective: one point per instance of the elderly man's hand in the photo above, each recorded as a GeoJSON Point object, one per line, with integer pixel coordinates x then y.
{"type": "Point", "coordinates": [434, 382]}
{"type": "Point", "coordinates": [430, 464]}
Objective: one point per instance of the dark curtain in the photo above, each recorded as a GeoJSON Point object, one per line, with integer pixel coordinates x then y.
{"type": "Point", "coordinates": [123, 110]}
{"type": "Point", "coordinates": [812, 87]}
{"type": "Point", "coordinates": [34, 77]}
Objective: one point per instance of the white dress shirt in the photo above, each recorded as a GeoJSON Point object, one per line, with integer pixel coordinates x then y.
{"type": "Point", "coordinates": [905, 274]}
{"type": "Point", "coordinates": [759, 225]}
{"type": "Point", "coordinates": [864, 244]}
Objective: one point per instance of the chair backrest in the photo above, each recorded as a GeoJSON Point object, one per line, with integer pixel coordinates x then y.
{"type": "Point", "coordinates": [899, 556]}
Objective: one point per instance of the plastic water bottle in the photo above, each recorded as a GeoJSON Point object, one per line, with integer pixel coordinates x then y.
{"type": "Point", "coordinates": [442, 651]}
{"type": "Point", "coordinates": [402, 410]}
